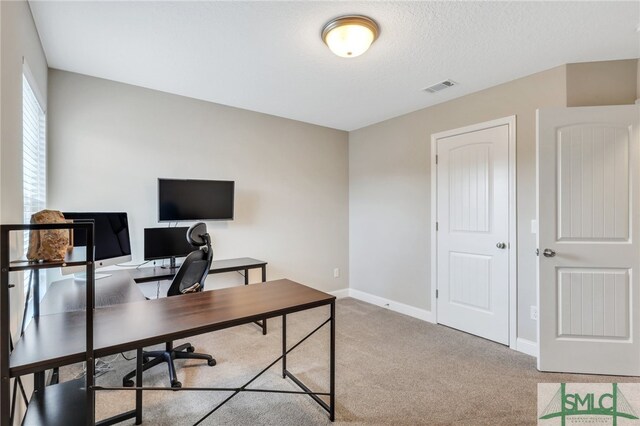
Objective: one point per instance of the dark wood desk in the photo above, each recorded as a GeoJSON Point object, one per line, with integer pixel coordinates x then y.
{"type": "Point", "coordinates": [156, 321]}
{"type": "Point", "coordinates": [69, 295]}
{"type": "Point", "coordinates": [158, 273]}
{"type": "Point", "coordinates": [59, 339]}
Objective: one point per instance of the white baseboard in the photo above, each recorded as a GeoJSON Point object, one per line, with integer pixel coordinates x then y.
{"type": "Point", "coordinates": [390, 304]}
{"type": "Point", "coordinates": [522, 345]}
{"type": "Point", "coordinates": [339, 294]}
{"type": "Point", "coordinates": [527, 347]}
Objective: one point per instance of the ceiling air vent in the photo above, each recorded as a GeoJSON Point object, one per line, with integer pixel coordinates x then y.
{"type": "Point", "coordinates": [440, 86]}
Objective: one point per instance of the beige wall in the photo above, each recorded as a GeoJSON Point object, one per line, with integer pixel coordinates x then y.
{"type": "Point", "coordinates": [389, 178]}
{"type": "Point", "coordinates": [18, 39]}
{"type": "Point", "coordinates": [1, 98]}
{"type": "Point", "coordinates": [389, 189]}
{"type": "Point", "coordinates": [602, 83]}
{"type": "Point", "coordinates": [638, 79]}
{"type": "Point", "coordinates": [110, 142]}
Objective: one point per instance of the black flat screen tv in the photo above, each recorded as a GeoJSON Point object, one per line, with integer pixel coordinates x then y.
{"type": "Point", "coordinates": [190, 199]}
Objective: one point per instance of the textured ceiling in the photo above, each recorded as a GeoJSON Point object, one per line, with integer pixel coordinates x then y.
{"type": "Point", "coordinates": [268, 56]}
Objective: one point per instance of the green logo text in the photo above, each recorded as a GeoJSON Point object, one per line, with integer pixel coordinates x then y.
{"type": "Point", "coordinates": [565, 404]}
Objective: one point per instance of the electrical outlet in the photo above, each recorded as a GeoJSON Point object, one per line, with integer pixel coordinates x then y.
{"type": "Point", "coordinates": [336, 273]}
{"type": "Point", "coordinates": [534, 313]}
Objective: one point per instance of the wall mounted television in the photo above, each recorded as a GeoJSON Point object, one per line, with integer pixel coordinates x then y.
{"type": "Point", "coordinates": [190, 199]}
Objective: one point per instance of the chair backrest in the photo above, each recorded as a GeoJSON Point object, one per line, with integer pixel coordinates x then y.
{"type": "Point", "coordinates": [195, 268]}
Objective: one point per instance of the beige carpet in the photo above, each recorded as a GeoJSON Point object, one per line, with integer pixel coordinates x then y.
{"type": "Point", "coordinates": [391, 369]}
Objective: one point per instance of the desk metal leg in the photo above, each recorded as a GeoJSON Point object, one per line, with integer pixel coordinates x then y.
{"type": "Point", "coordinates": [38, 381]}
{"type": "Point", "coordinates": [262, 323]}
{"type": "Point", "coordinates": [284, 346]}
{"type": "Point", "coordinates": [332, 365]}
{"type": "Point", "coordinates": [4, 329]}
{"type": "Point", "coordinates": [38, 378]}
{"type": "Point", "coordinates": [17, 382]}
{"type": "Point", "coordinates": [264, 320]}
{"type": "Point", "coordinates": [55, 376]}
{"type": "Point", "coordinates": [36, 293]}
{"type": "Point", "coordinates": [305, 389]}
{"type": "Point", "coordinates": [139, 366]}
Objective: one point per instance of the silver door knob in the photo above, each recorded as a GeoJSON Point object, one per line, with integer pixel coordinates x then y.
{"type": "Point", "coordinates": [548, 253]}
{"type": "Point", "coordinates": [501, 245]}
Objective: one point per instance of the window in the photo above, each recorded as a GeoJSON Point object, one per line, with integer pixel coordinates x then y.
{"type": "Point", "coordinates": [34, 157]}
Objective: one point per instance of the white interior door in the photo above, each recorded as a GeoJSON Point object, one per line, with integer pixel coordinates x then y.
{"type": "Point", "coordinates": [473, 232]}
{"type": "Point", "coordinates": [588, 238]}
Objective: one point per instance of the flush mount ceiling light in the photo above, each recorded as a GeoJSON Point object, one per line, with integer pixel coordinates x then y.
{"type": "Point", "coordinates": [350, 36]}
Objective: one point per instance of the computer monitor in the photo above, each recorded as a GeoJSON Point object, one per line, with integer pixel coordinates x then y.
{"type": "Point", "coordinates": [166, 243]}
{"type": "Point", "coordinates": [110, 236]}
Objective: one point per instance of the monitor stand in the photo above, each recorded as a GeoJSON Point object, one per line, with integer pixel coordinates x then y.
{"type": "Point", "coordinates": [82, 276]}
{"type": "Point", "coordinates": [172, 264]}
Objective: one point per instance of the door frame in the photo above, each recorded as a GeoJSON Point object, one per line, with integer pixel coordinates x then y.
{"type": "Point", "coordinates": [510, 121]}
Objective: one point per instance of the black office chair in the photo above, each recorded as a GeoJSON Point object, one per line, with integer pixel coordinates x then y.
{"type": "Point", "coordinates": [190, 278]}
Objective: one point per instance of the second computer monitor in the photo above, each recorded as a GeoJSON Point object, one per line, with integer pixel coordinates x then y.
{"type": "Point", "coordinates": [111, 238]}
{"type": "Point", "coordinates": [166, 243]}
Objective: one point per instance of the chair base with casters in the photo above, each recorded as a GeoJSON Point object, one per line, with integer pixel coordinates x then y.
{"type": "Point", "coordinates": [190, 278]}
{"type": "Point", "coordinates": [153, 358]}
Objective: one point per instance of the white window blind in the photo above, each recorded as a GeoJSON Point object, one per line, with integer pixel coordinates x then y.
{"type": "Point", "coordinates": [34, 156]}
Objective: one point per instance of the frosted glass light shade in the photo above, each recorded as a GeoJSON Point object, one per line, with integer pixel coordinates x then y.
{"type": "Point", "coordinates": [350, 36]}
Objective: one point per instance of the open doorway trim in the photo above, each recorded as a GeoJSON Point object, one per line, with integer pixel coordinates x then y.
{"type": "Point", "coordinates": [513, 230]}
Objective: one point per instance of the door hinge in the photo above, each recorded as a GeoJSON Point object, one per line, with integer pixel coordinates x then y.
{"type": "Point", "coordinates": [436, 293]}
{"type": "Point", "coordinates": [436, 226]}
{"type": "Point", "coordinates": [436, 159]}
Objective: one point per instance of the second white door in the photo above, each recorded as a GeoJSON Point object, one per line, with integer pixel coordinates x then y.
{"type": "Point", "coordinates": [589, 239]}
{"type": "Point", "coordinates": [473, 232]}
